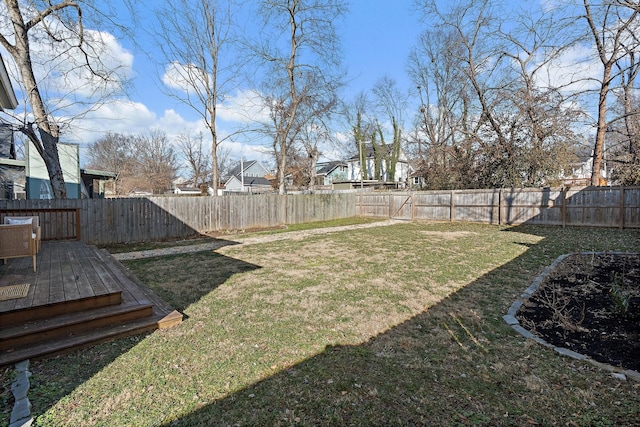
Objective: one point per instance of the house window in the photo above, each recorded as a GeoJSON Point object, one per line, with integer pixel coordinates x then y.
{"type": "Point", "coordinates": [416, 180]}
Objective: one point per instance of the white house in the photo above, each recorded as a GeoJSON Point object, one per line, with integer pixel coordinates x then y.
{"type": "Point", "coordinates": [192, 191]}
{"type": "Point", "coordinates": [248, 176]}
{"type": "Point", "coordinates": [580, 173]}
{"type": "Point", "coordinates": [402, 172]}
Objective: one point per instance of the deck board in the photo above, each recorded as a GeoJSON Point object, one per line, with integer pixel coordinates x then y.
{"type": "Point", "coordinates": [70, 281]}
{"type": "Point", "coordinates": [56, 282]}
{"type": "Point", "coordinates": [101, 278]}
{"type": "Point", "coordinates": [82, 279]}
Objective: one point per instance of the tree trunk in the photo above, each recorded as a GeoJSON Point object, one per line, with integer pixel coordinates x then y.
{"type": "Point", "coordinates": [52, 160]}
{"type": "Point", "coordinates": [313, 161]}
{"type": "Point", "coordinates": [49, 134]}
{"type": "Point", "coordinates": [598, 150]}
{"type": "Point", "coordinates": [215, 180]}
{"type": "Point", "coordinates": [282, 164]}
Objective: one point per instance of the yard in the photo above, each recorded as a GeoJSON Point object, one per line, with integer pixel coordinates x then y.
{"type": "Point", "coordinates": [396, 325]}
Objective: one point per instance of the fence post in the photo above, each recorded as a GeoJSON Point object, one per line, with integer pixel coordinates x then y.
{"type": "Point", "coordinates": [500, 207]}
{"type": "Point", "coordinates": [413, 205]}
{"type": "Point", "coordinates": [564, 206]}
{"type": "Point", "coordinates": [622, 207]}
{"type": "Point", "coordinates": [78, 228]}
{"type": "Point", "coordinates": [452, 206]}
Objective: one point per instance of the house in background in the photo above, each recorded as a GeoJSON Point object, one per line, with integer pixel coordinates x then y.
{"type": "Point", "coordinates": [38, 185]}
{"type": "Point", "coordinates": [8, 100]}
{"type": "Point", "coordinates": [97, 184]}
{"type": "Point", "coordinates": [183, 186]}
{"type": "Point", "coordinates": [12, 173]}
{"type": "Point", "coordinates": [400, 177]}
{"type": "Point", "coordinates": [329, 172]}
{"type": "Point", "coordinates": [248, 176]}
{"type": "Point", "coordinates": [580, 173]}
{"type": "Point", "coordinates": [29, 178]}
{"type": "Point", "coordinates": [12, 170]}
{"type": "Point", "coordinates": [187, 191]}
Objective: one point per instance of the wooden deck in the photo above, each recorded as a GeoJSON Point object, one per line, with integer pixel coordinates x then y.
{"type": "Point", "coordinates": [79, 295]}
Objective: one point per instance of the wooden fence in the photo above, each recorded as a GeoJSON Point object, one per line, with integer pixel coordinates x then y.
{"type": "Point", "coordinates": [587, 206]}
{"type": "Point", "coordinates": [109, 221]}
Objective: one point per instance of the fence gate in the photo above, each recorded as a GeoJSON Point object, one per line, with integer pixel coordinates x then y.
{"type": "Point", "coordinates": [401, 206]}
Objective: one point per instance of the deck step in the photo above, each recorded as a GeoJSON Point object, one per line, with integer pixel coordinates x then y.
{"type": "Point", "coordinates": [47, 311]}
{"type": "Point", "coordinates": [75, 323]}
{"type": "Point", "coordinates": [72, 342]}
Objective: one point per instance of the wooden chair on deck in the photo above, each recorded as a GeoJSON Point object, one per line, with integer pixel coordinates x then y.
{"type": "Point", "coordinates": [17, 241]}
{"type": "Point", "coordinates": [33, 220]}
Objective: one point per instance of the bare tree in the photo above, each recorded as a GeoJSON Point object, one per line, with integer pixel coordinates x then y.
{"type": "Point", "coordinates": [611, 25]}
{"type": "Point", "coordinates": [624, 141]}
{"type": "Point", "coordinates": [300, 70]}
{"type": "Point", "coordinates": [439, 88]}
{"type": "Point", "coordinates": [113, 153]}
{"type": "Point", "coordinates": [74, 51]}
{"type": "Point", "coordinates": [304, 156]}
{"type": "Point", "coordinates": [362, 128]}
{"type": "Point", "coordinates": [489, 115]}
{"type": "Point", "coordinates": [391, 103]}
{"type": "Point", "coordinates": [145, 162]}
{"type": "Point", "coordinates": [196, 161]}
{"type": "Point", "coordinates": [225, 162]}
{"type": "Point", "coordinates": [156, 161]}
{"type": "Point", "coordinates": [197, 42]}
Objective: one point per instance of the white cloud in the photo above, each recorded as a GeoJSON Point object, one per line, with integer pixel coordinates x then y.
{"type": "Point", "coordinates": [238, 150]}
{"type": "Point", "coordinates": [132, 118]}
{"type": "Point", "coordinates": [244, 106]}
{"type": "Point", "coordinates": [62, 72]}
{"type": "Point", "coordinates": [576, 70]}
{"type": "Point", "coordinates": [184, 78]}
{"type": "Point", "coordinates": [172, 123]}
{"type": "Point", "coordinates": [120, 116]}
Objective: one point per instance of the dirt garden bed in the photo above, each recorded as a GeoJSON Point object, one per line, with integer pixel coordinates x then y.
{"type": "Point", "coordinates": [590, 304]}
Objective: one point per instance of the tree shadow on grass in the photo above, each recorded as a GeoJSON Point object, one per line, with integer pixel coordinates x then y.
{"type": "Point", "coordinates": [456, 363]}
{"type": "Point", "coordinates": [196, 275]}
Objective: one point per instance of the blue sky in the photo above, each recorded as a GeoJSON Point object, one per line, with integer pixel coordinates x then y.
{"type": "Point", "coordinates": [376, 36]}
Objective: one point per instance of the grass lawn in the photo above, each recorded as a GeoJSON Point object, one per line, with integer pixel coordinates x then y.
{"type": "Point", "coordinates": [396, 325]}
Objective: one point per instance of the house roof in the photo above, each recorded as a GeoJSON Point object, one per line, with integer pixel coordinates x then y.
{"type": "Point", "coordinates": [98, 174]}
{"type": "Point", "coordinates": [251, 181]}
{"type": "Point", "coordinates": [246, 165]}
{"type": "Point", "coordinates": [8, 100]}
{"type": "Point", "coordinates": [235, 173]}
{"type": "Point", "coordinates": [188, 189]}
{"type": "Point", "coordinates": [329, 166]}
{"type": "Point", "coordinates": [584, 153]}
{"type": "Point", "coordinates": [256, 180]}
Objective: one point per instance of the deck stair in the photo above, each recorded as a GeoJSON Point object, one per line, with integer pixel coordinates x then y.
{"type": "Point", "coordinates": [79, 296]}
